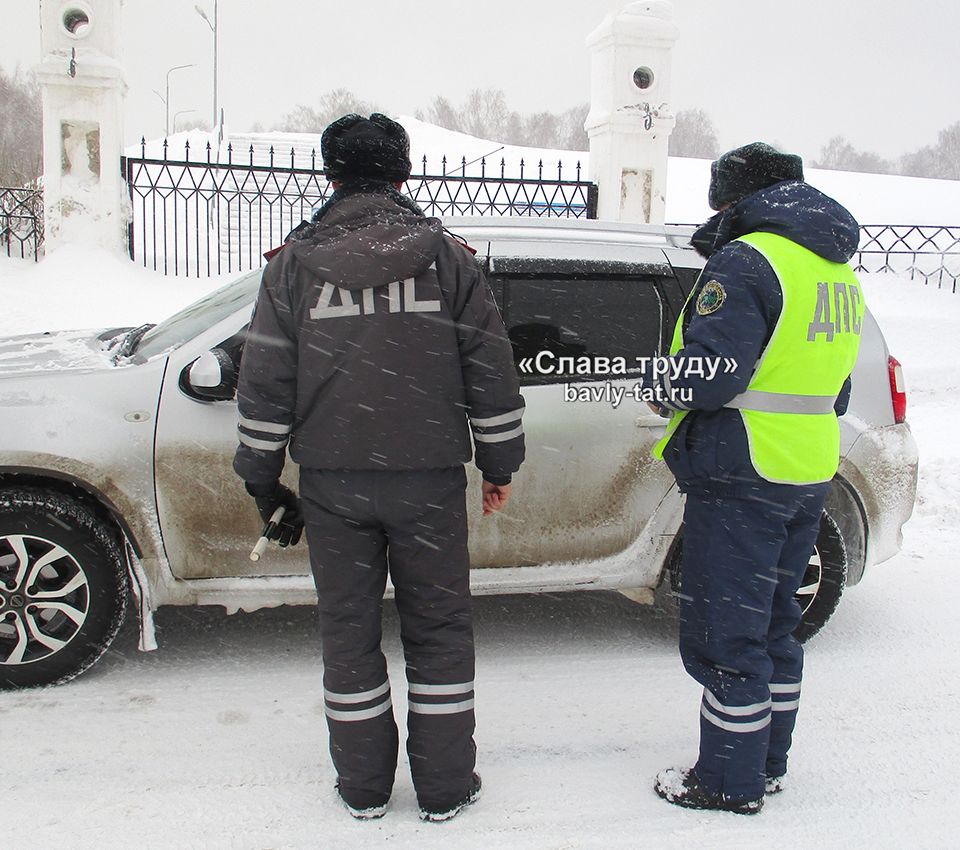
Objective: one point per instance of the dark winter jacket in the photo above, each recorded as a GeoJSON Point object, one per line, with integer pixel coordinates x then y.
{"type": "Point", "coordinates": [374, 338]}
{"type": "Point", "coordinates": [709, 451]}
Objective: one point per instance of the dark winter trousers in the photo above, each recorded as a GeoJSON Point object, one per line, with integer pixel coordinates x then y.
{"type": "Point", "coordinates": [359, 525]}
{"type": "Point", "coordinates": [743, 561]}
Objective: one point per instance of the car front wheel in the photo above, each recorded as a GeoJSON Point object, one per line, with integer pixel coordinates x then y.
{"type": "Point", "coordinates": [63, 588]}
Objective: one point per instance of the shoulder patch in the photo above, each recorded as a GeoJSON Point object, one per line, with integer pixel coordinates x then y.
{"type": "Point", "coordinates": [711, 298]}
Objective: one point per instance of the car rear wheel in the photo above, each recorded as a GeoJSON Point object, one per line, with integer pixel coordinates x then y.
{"type": "Point", "coordinates": [63, 588]}
{"type": "Point", "coordinates": [823, 583]}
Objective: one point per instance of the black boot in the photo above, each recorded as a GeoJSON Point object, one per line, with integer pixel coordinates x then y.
{"type": "Point", "coordinates": [437, 813]}
{"type": "Point", "coordinates": [680, 786]}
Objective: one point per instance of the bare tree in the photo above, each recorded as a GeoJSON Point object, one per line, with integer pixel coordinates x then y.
{"type": "Point", "coordinates": [839, 155]}
{"type": "Point", "coordinates": [332, 105]}
{"type": "Point", "coordinates": [485, 114]}
{"type": "Point", "coordinates": [442, 113]}
{"type": "Point", "coordinates": [573, 137]}
{"type": "Point", "coordinates": [20, 129]}
{"type": "Point", "coordinates": [948, 152]}
{"type": "Point", "coordinates": [694, 135]}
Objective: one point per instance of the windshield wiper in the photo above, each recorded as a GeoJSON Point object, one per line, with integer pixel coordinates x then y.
{"type": "Point", "coordinates": [132, 340]}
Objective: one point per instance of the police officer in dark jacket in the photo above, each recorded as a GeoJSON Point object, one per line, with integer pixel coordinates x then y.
{"type": "Point", "coordinates": [754, 449]}
{"type": "Point", "coordinates": [375, 351]}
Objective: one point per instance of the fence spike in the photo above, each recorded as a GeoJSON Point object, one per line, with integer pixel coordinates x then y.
{"type": "Point", "coordinates": [186, 150]}
{"type": "Point", "coordinates": [291, 156]}
{"type": "Point", "coordinates": [164, 148]}
{"type": "Point", "coordinates": [313, 159]}
{"type": "Point", "coordinates": [271, 155]}
{"type": "Point", "coordinates": [208, 151]}
{"type": "Point", "coordinates": [503, 167]}
{"type": "Point", "coordinates": [540, 172]}
{"type": "Point", "coordinates": [229, 153]}
{"type": "Point", "coordinates": [521, 167]}
{"type": "Point", "coordinates": [483, 166]}
{"type": "Point", "coordinates": [143, 147]}
{"type": "Point", "coordinates": [578, 170]}
{"type": "Point", "coordinates": [424, 165]}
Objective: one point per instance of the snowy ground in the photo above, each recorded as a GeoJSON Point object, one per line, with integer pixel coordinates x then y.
{"type": "Point", "coordinates": [218, 741]}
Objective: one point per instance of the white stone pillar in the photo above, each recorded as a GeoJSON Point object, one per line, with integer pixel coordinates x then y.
{"type": "Point", "coordinates": [83, 90]}
{"type": "Point", "coordinates": [630, 116]}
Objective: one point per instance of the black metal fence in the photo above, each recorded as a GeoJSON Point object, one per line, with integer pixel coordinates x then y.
{"type": "Point", "coordinates": [21, 222]}
{"type": "Point", "coordinates": [202, 216]}
{"type": "Point", "coordinates": [930, 253]}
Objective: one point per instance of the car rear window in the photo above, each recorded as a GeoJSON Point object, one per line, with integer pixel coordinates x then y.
{"type": "Point", "coordinates": [576, 315]}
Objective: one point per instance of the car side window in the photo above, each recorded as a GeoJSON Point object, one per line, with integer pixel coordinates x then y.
{"type": "Point", "coordinates": [595, 316]}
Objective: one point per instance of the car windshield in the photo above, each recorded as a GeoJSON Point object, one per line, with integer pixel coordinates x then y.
{"type": "Point", "coordinates": [199, 316]}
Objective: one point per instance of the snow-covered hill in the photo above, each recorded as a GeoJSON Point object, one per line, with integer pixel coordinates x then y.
{"type": "Point", "coordinates": [872, 198]}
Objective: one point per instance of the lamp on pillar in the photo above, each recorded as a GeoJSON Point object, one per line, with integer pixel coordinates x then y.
{"type": "Point", "coordinates": [630, 116]}
{"type": "Point", "coordinates": [83, 90]}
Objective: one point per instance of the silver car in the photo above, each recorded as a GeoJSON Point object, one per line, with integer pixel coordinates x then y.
{"type": "Point", "coordinates": [116, 486]}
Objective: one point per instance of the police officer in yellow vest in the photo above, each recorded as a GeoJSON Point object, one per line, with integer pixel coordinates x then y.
{"type": "Point", "coordinates": [754, 449]}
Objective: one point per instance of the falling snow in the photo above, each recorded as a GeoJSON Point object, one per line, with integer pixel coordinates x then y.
{"type": "Point", "coordinates": [218, 740]}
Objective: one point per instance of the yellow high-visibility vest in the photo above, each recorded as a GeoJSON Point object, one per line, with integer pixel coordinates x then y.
{"type": "Point", "coordinates": [787, 408]}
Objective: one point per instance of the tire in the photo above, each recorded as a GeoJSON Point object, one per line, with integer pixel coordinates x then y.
{"type": "Point", "coordinates": [63, 588]}
{"type": "Point", "coordinates": [824, 581]}
{"type": "Point", "coordinates": [822, 584]}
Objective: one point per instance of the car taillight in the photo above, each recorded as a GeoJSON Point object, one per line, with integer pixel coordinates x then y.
{"type": "Point", "coordinates": [898, 390]}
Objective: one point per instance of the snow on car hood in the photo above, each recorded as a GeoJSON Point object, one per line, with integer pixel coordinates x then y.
{"type": "Point", "coordinates": [56, 351]}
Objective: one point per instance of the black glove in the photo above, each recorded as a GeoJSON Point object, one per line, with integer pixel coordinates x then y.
{"type": "Point", "coordinates": [286, 532]}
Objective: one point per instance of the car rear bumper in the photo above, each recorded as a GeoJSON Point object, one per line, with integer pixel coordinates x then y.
{"type": "Point", "coordinates": [881, 469]}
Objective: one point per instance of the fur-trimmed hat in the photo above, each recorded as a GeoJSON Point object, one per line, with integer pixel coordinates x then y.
{"type": "Point", "coordinates": [749, 169]}
{"type": "Point", "coordinates": [358, 148]}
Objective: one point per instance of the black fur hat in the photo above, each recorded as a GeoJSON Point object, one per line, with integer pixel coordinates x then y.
{"type": "Point", "coordinates": [749, 169]}
{"type": "Point", "coordinates": [357, 148]}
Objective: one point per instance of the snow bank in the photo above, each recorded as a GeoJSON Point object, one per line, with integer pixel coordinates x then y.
{"type": "Point", "coordinates": [77, 287]}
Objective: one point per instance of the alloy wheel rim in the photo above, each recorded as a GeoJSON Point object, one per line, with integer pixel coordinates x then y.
{"type": "Point", "coordinates": [44, 598]}
{"type": "Point", "coordinates": [810, 585]}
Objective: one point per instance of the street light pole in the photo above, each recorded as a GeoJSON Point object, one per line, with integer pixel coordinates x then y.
{"type": "Point", "coordinates": [214, 29]}
{"type": "Point", "coordinates": [166, 100]}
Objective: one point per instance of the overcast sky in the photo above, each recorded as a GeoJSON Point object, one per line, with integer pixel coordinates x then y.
{"type": "Point", "coordinates": [882, 73]}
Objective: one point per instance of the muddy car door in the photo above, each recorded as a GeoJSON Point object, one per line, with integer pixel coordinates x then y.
{"type": "Point", "coordinates": [208, 522]}
{"type": "Point", "coordinates": [589, 485]}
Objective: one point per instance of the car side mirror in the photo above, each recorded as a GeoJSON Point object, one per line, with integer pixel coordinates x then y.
{"type": "Point", "coordinates": [211, 377]}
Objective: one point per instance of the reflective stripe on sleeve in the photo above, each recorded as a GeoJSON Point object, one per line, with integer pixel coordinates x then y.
{"type": "Point", "coordinates": [792, 705]}
{"type": "Point", "coordinates": [668, 395]}
{"type": "Point", "coordinates": [264, 427]}
{"type": "Point", "coordinates": [263, 445]}
{"type": "Point", "coordinates": [498, 438]}
{"type": "Point", "coordinates": [502, 419]}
